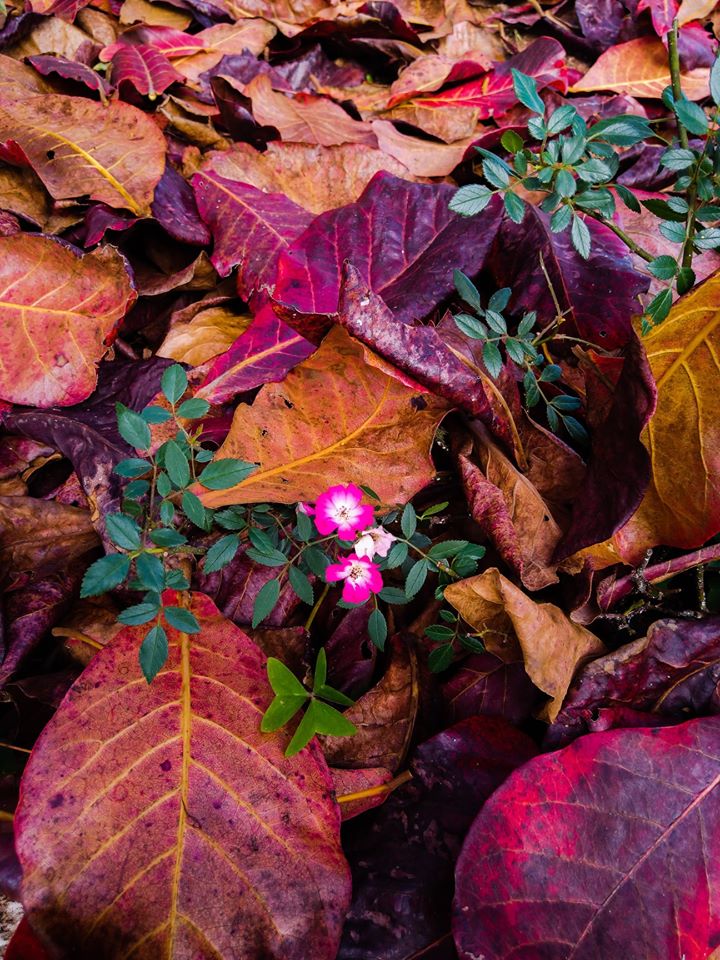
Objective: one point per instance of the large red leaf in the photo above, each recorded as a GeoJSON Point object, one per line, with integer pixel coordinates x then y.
{"type": "Point", "coordinates": [249, 227]}
{"type": "Point", "coordinates": [144, 68]}
{"type": "Point", "coordinates": [57, 314]}
{"type": "Point", "coordinates": [607, 848]}
{"type": "Point", "coordinates": [156, 820]}
{"type": "Point", "coordinates": [663, 12]}
{"type": "Point", "coordinates": [264, 353]}
{"type": "Point", "coordinates": [400, 236]}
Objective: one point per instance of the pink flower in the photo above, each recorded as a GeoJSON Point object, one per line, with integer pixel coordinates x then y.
{"type": "Point", "coordinates": [361, 577]}
{"type": "Point", "coordinates": [339, 508]}
{"type": "Point", "coordinates": [375, 540]}
{"type": "Point", "coordinates": [306, 508]}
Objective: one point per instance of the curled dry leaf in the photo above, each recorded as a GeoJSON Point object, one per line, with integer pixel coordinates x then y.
{"type": "Point", "coordinates": [79, 148]}
{"type": "Point", "coordinates": [42, 536]}
{"type": "Point", "coordinates": [423, 158]}
{"type": "Point", "coordinates": [341, 413]}
{"type": "Point", "coordinates": [165, 781]}
{"type": "Point", "coordinates": [602, 849]}
{"type": "Point", "coordinates": [57, 315]}
{"type": "Point", "coordinates": [202, 331]}
{"type": "Point", "coordinates": [551, 646]}
{"type": "Point", "coordinates": [384, 716]}
{"type": "Point", "coordinates": [640, 68]}
{"type": "Point", "coordinates": [681, 507]}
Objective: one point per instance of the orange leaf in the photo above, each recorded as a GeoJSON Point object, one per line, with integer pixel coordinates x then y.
{"type": "Point", "coordinates": [640, 68]}
{"type": "Point", "coordinates": [79, 148]}
{"type": "Point", "coordinates": [340, 415]}
{"type": "Point", "coordinates": [57, 312]}
{"type": "Point", "coordinates": [681, 507]}
{"type": "Point", "coordinates": [157, 820]}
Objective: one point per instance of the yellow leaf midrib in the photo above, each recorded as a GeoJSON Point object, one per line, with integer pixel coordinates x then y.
{"type": "Point", "coordinates": [185, 735]}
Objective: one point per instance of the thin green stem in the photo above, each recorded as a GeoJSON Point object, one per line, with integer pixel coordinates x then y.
{"type": "Point", "coordinates": [674, 58]}
{"type": "Point", "coordinates": [626, 239]}
{"type": "Point", "coordinates": [316, 607]}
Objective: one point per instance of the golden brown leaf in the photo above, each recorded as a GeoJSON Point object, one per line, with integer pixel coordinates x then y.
{"type": "Point", "coordinates": [79, 148]}
{"type": "Point", "coordinates": [681, 507]}
{"type": "Point", "coordinates": [42, 534]}
{"type": "Point", "coordinates": [341, 415]}
{"type": "Point", "coordinates": [551, 646]}
{"type": "Point", "coordinates": [422, 157]}
{"type": "Point", "coordinates": [222, 40]}
{"type": "Point", "coordinates": [202, 331]}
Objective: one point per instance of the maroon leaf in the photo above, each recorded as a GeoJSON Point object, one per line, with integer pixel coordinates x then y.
{"type": "Point", "coordinates": [249, 227]}
{"type": "Point", "coordinates": [600, 294]}
{"type": "Point", "coordinates": [400, 236]}
{"type": "Point", "coordinates": [673, 670]}
{"type": "Point", "coordinates": [402, 853]}
{"type": "Point", "coordinates": [144, 68]}
{"type": "Point", "coordinates": [264, 353]}
{"type": "Point", "coordinates": [604, 849]}
{"type": "Point", "coordinates": [486, 685]}
{"type": "Point", "coordinates": [175, 209]}
{"type": "Point", "coordinates": [70, 70]}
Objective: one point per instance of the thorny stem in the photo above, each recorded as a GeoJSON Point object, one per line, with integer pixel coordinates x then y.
{"type": "Point", "coordinates": [674, 57]}
{"type": "Point", "coordinates": [626, 239]}
{"type": "Point", "coordinates": [316, 607]}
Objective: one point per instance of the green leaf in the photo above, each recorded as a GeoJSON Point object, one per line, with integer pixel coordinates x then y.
{"type": "Point", "coordinates": [181, 619]}
{"type": "Point", "coordinates": [176, 464]}
{"type": "Point", "coordinates": [153, 414]}
{"type": "Point", "coordinates": [677, 158]}
{"type": "Point", "coordinates": [628, 198]}
{"type": "Point", "coordinates": [317, 561]}
{"type": "Point", "coordinates": [320, 672]}
{"type": "Point", "coordinates": [514, 207]}
{"type": "Point", "coordinates": [153, 653]}
{"type": "Point", "coordinates": [221, 553]}
{"type": "Point", "coordinates": [623, 130]}
{"type": "Point", "coordinates": [140, 613]}
{"type": "Point", "coordinates": [195, 511]}
{"type": "Point", "coordinates": [471, 326]}
{"type": "Point", "coordinates": [446, 549]}
{"type": "Point", "coordinates": [441, 657]}
{"type": "Point", "coordinates": [377, 629]}
{"type": "Point", "coordinates": [495, 172]}
{"type": "Point", "coordinates": [232, 518]}
{"type": "Point", "coordinates": [663, 267]}
{"type": "Point", "coordinates": [594, 171]}
{"type": "Point", "coordinates": [715, 81]}
{"type": "Point", "coordinates": [580, 237]}
{"type": "Point", "coordinates": [492, 359]}
{"type": "Point", "coordinates": [685, 280]}
{"type": "Point", "coordinates": [123, 531]}
{"type": "Point", "coordinates": [176, 580]}
{"type": "Point", "coordinates": [301, 585]}
{"type": "Point", "coordinates": [438, 632]}
{"type": "Point", "coordinates": [707, 239]}
{"type": "Point", "coordinates": [551, 373]}
{"type": "Point", "coordinates": [576, 430]}
{"type": "Point", "coordinates": [280, 711]}
{"type": "Point", "coordinates": [393, 596]}
{"type": "Point", "coordinates": [560, 220]}
{"type": "Point", "coordinates": [265, 601]}
{"type": "Point", "coordinates": [397, 556]}
{"type": "Point", "coordinates": [692, 117]}
{"type": "Point", "coordinates": [193, 409]}
{"type": "Point", "coordinates": [659, 306]}
{"type": "Point", "coordinates": [105, 574]}
{"type": "Point", "coordinates": [283, 681]}
{"type": "Point", "coordinates": [167, 537]}
{"type": "Point", "coordinates": [335, 696]}
{"type": "Point", "coordinates": [526, 91]}
{"type": "Point", "coordinates": [163, 484]}
{"type": "Point", "coordinates": [136, 489]}
{"type": "Point", "coordinates": [565, 403]}
{"type": "Point", "coordinates": [416, 578]}
{"type": "Point", "coordinates": [303, 526]}
{"type": "Point", "coordinates": [434, 509]}
{"type": "Point", "coordinates": [470, 200]}
{"type": "Point", "coordinates": [174, 383]}
{"type": "Point", "coordinates": [512, 141]}
{"type": "Point", "coordinates": [408, 521]}
{"type": "Point", "coordinates": [274, 559]}
{"type": "Point", "coordinates": [572, 149]}
{"type": "Point", "coordinates": [662, 209]}
{"type": "Point", "coordinates": [150, 571]}
{"type": "Point", "coordinates": [132, 427]}
{"type": "Point", "coordinates": [319, 718]}
{"type": "Point", "coordinates": [132, 467]}
{"type": "Point", "coordinates": [565, 185]}
{"type": "Point", "coordinates": [467, 290]}
{"type": "Point", "coordinates": [261, 541]}
{"type": "Point", "coordinates": [222, 474]}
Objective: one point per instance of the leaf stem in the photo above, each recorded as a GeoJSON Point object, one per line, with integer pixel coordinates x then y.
{"type": "Point", "coordinates": [316, 607]}
{"type": "Point", "coordinates": [626, 239]}
{"type": "Point", "coordinates": [674, 58]}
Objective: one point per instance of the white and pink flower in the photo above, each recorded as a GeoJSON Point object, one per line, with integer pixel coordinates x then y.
{"type": "Point", "coordinates": [340, 508]}
{"type": "Point", "coordinates": [361, 577]}
{"type": "Point", "coordinates": [376, 541]}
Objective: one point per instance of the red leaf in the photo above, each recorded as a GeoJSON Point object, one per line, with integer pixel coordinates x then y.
{"type": "Point", "coordinates": [604, 849]}
{"type": "Point", "coordinates": [145, 68]}
{"type": "Point", "coordinates": [249, 227]}
{"type": "Point", "coordinates": [663, 12]}
{"type": "Point", "coordinates": [24, 945]}
{"type": "Point", "coordinates": [493, 94]}
{"type": "Point", "coordinates": [400, 236]}
{"type": "Point", "coordinates": [264, 353]}
{"type": "Point", "coordinates": [70, 70]}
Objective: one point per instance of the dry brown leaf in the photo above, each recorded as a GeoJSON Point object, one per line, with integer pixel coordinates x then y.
{"type": "Point", "coordinates": [224, 39]}
{"type": "Point", "coordinates": [314, 177]}
{"type": "Point", "coordinates": [423, 158]}
{"type": "Point", "coordinates": [19, 80]}
{"type": "Point", "coordinates": [449, 124]}
{"type": "Point", "coordinates": [338, 416]}
{"type": "Point", "coordinates": [154, 14]}
{"type": "Point", "coordinates": [52, 35]}
{"type": "Point", "coordinates": [41, 535]}
{"type": "Point", "coordinates": [552, 647]}
{"type": "Point", "coordinates": [384, 716]}
{"type": "Point", "coordinates": [202, 331]}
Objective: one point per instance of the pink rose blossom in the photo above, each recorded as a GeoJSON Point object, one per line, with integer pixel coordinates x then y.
{"type": "Point", "coordinates": [340, 508]}
{"type": "Point", "coordinates": [361, 577]}
{"type": "Point", "coordinates": [375, 540]}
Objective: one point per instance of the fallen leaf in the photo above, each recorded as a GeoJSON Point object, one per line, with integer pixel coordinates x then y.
{"type": "Point", "coordinates": [485, 685]}
{"type": "Point", "coordinates": [646, 674]}
{"type": "Point", "coordinates": [59, 313]}
{"type": "Point", "coordinates": [42, 536]}
{"type": "Point", "coordinates": [208, 835]}
{"type": "Point", "coordinates": [142, 67]}
{"type": "Point", "coordinates": [384, 716]}
{"type": "Point", "coordinates": [561, 850]}
{"type": "Point", "coordinates": [357, 791]}
{"type": "Point", "coordinates": [70, 70]}
{"type": "Point", "coordinates": [681, 507]}
{"type": "Point", "coordinates": [339, 414]}
{"type": "Point", "coordinates": [225, 38]}
{"type": "Point", "coordinates": [19, 80]}
{"type": "Point", "coordinates": [551, 646]}
{"type": "Point", "coordinates": [78, 147]}
{"type": "Point", "coordinates": [431, 72]}
{"type": "Point", "coordinates": [202, 332]}
{"type": "Point", "coordinates": [263, 353]}
{"type": "Point", "coordinates": [695, 10]}
{"type": "Point", "coordinates": [314, 177]}
{"type": "Point", "coordinates": [423, 158]}
{"type": "Point", "coordinates": [640, 68]}
{"type": "Point", "coordinates": [662, 12]}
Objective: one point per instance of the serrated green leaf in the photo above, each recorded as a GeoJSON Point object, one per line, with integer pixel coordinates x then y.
{"type": "Point", "coordinates": [301, 585]}
{"type": "Point", "coordinates": [222, 474]}
{"type": "Point", "coordinates": [123, 531]}
{"type": "Point", "coordinates": [150, 571]}
{"type": "Point", "coordinates": [132, 467]}
{"type": "Point", "coordinates": [167, 537]}
{"type": "Point", "coordinates": [408, 521]}
{"type": "Point", "coordinates": [105, 574]}
{"type": "Point", "coordinates": [176, 464]}
{"type": "Point", "coordinates": [153, 653]}
{"type": "Point", "coordinates": [193, 409]}
{"type": "Point", "coordinates": [174, 383]}
{"type": "Point", "coordinates": [265, 601]}
{"type": "Point", "coordinates": [138, 614]}
{"type": "Point", "coordinates": [181, 619]}
{"type": "Point", "coordinates": [692, 117]}
{"type": "Point", "coordinates": [470, 200]}
{"type": "Point", "coordinates": [195, 511]}
{"type": "Point", "coordinates": [580, 236]}
{"type": "Point", "coordinates": [221, 553]}
{"type": "Point", "coordinates": [416, 578]}
{"type": "Point", "coordinates": [441, 657]}
{"type": "Point", "coordinates": [154, 414]}
{"type": "Point", "coordinates": [526, 91]}
{"type": "Point", "coordinates": [663, 267]}
{"type": "Point", "coordinates": [132, 427]}
{"type": "Point", "coordinates": [467, 290]}
{"type": "Point", "coordinates": [492, 359]}
{"type": "Point", "coordinates": [514, 207]}
{"type": "Point", "coordinates": [377, 629]}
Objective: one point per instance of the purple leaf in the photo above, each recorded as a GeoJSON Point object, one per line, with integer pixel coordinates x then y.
{"type": "Point", "coordinates": [174, 207]}
{"type": "Point", "coordinates": [70, 70]}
